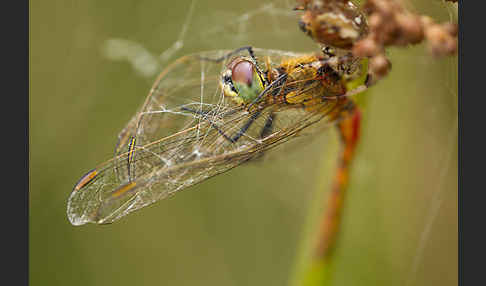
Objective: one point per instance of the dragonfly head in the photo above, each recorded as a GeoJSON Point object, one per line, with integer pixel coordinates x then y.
{"type": "Point", "coordinates": [241, 81]}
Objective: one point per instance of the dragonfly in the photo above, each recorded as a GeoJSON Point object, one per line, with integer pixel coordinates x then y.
{"type": "Point", "coordinates": [212, 111]}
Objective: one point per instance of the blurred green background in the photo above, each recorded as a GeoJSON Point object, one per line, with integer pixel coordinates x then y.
{"type": "Point", "coordinates": [244, 227]}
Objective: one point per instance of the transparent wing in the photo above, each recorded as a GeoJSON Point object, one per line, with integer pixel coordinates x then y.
{"type": "Point", "coordinates": [186, 131]}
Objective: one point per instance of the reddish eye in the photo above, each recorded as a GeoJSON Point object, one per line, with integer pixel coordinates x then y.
{"type": "Point", "coordinates": [242, 72]}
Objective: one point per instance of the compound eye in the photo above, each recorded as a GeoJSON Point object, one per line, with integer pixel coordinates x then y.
{"type": "Point", "coordinates": [242, 72]}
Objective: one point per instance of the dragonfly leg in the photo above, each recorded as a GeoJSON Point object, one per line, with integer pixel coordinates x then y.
{"type": "Point", "coordinates": [266, 130]}
{"type": "Point", "coordinates": [230, 54]}
{"type": "Point", "coordinates": [268, 127]}
{"type": "Point", "coordinates": [348, 128]}
{"type": "Point", "coordinates": [247, 125]}
{"type": "Point", "coordinates": [206, 112]}
{"type": "Point", "coordinates": [214, 125]}
{"type": "Point", "coordinates": [238, 135]}
{"type": "Point", "coordinates": [279, 81]}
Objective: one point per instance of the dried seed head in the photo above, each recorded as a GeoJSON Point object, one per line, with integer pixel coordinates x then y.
{"type": "Point", "coordinates": [411, 28]}
{"type": "Point", "coordinates": [366, 48]}
{"type": "Point", "coordinates": [332, 23]}
{"type": "Point", "coordinates": [379, 66]}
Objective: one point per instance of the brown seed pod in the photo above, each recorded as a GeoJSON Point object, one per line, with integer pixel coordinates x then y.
{"type": "Point", "coordinates": [336, 23]}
